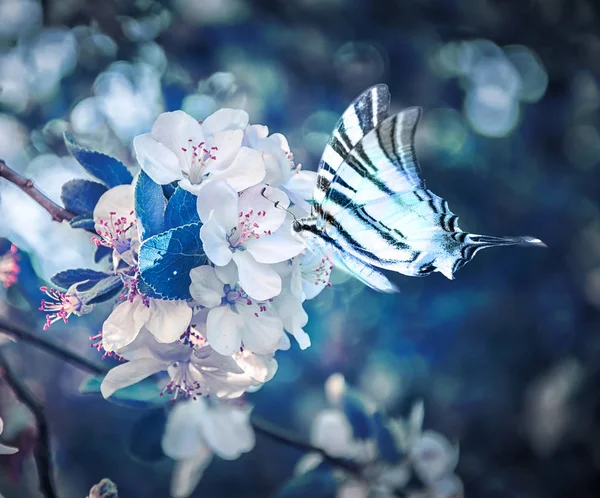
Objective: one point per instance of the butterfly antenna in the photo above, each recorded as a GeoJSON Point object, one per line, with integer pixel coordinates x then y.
{"type": "Point", "coordinates": [276, 204]}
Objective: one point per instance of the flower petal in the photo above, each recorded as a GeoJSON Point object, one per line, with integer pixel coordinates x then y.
{"type": "Point", "coordinates": [168, 319]}
{"type": "Point", "coordinates": [187, 473]}
{"type": "Point", "coordinates": [117, 200]}
{"type": "Point", "coordinates": [183, 438]}
{"type": "Point", "coordinates": [177, 131]}
{"type": "Point", "coordinates": [279, 246]}
{"type": "Point", "coordinates": [289, 308]}
{"type": "Point", "coordinates": [253, 200]}
{"type": "Point", "coordinates": [262, 334]}
{"type": "Point", "coordinates": [228, 274]}
{"type": "Point", "coordinates": [206, 287]}
{"type": "Point", "coordinates": [160, 163]}
{"type": "Point", "coordinates": [247, 170]}
{"type": "Point", "coordinates": [225, 119]}
{"type": "Point", "coordinates": [7, 450]}
{"type": "Point", "coordinates": [332, 432]}
{"type": "Point", "coordinates": [227, 145]}
{"type": "Point", "coordinates": [223, 330]}
{"type": "Point", "coordinates": [302, 184]}
{"type": "Point", "coordinates": [214, 242]}
{"type": "Point", "coordinates": [259, 280]}
{"type": "Point", "coordinates": [130, 373]}
{"type": "Point", "coordinates": [227, 431]}
{"type": "Point", "coordinates": [124, 324]}
{"type": "Point", "coordinates": [218, 198]}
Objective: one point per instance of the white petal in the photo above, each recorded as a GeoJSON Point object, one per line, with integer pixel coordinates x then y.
{"type": "Point", "coordinates": [302, 184]}
{"type": "Point", "coordinates": [183, 435]}
{"type": "Point", "coordinates": [227, 145]}
{"type": "Point", "coordinates": [332, 432]}
{"type": "Point", "coordinates": [279, 246]}
{"type": "Point", "coordinates": [218, 198]}
{"type": "Point", "coordinates": [259, 280]}
{"type": "Point", "coordinates": [7, 450]}
{"type": "Point", "coordinates": [188, 473]}
{"type": "Point", "coordinates": [227, 431]}
{"type": "Point", "coordinates": [168, 319]}
{"type": "Point", "coordinates": [262, 334]}
{"type": "Point", "coordinates": [206, 287]}
{"type": "Point", "coordinates": [192, 188]}
{"type": "Point", "coordinates": [254, 133]}
{"type": "Point", "coordinates": [124, 324]}
{"type": "Point", "coordinates": [130, 373]}
{"type": "Point", "coordinates": [253, 200]}
{"type": "Point", "coordinates": [214, 242]}
{"type": "Point", "coordinates": [433, 456]}
{"type": "Point", "coordinates": [225, 119]}
{"type": "Point", "coordinates": [177, 130]}
{"type": "Point", "coordinates": [223, 330]}
{"type": "Point", "coordinates": [159, 163]}
{"type": "Point", "coordinates": [247, 170]}
{"type": "Point", "coordinates": [228, 274]}
{"type": "Point", "coordinates": [117, 200]}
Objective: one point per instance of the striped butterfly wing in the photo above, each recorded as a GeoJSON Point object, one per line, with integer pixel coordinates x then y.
{"type": "Point", "coordinates": [364, 114]}
{"type": "Point", "coordinates": [378, 206]}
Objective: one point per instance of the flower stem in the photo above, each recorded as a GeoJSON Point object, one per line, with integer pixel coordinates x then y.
{"type": "Point", "coordinates": [52, 348]}
{"type": "Point", "coordinates": [57, 212]}
{"type": "Point", "coordinates": [42, 452]}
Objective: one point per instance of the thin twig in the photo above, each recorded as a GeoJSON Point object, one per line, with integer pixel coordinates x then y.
{"type": "Point", "coordinates": [52, 348]}
{"type": "Point", "coordinates": [282, 436]}
{"type": "Point", "coordinates": [57, 212]}
{"type": "Point", "coordinates": [42, 452]}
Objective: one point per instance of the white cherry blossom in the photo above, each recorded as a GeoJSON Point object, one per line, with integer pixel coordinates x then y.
{"type": "Point", "coordinates": [194, 370]}
{"type": "Point", "coordinates": [235, 320]}
{"type": "Point", "coordinates": [250, 231]}
{"type": "Point", "coordinates": [279, 162]}
{"type": "Point", "coordinates": [179, 148]}
{"type": "Point", "coordinates": [197, 430]}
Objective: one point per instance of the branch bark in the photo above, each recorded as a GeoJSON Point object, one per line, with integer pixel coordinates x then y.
{"type": "Point", "coordinates": [42, 451]}
{"type": "Point", "coordinates": [57, 212]}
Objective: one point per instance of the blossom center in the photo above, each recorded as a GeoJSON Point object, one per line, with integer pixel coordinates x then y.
{"type": "Point", "coordinates": [182, 382]}
{"type": "Point", "coordinates": [199, 157]}
{"type": "Point", "coordinates": [60, 307]}
{"type": "Point", "coordinates": [247, 228]}
{"type": "Point", "coordinates": [114, 232]}
{"type": "Point", "coordinates": [9, 267]}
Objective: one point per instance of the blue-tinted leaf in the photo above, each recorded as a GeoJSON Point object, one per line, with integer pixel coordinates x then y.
{"type": "Point", "coordinates": [181, 209]}
{"type": "Point", "coordinates": [105, 168]}
{"type": "Point", "coordinates": [81, 196]}
{"type": "Point", "coordinates": [101, 291]}
{"type": "Point", "coordinates": [386, 443]}
{"type": "Point", "coordinates": [166, 259]}
{"type": "Point", "coordinates": [358, 415]}
{"type": "Point", "coordinates": [145, 394]}
{"type": "Point", "coordinates": [67, 278]}
{"type": "Point", "coordinates": [84, 221]}
{"type": "Point", "coordinates": [169, 189]}
{"type": "Point", "coordinates": [316, 484]}
{"type": "Point", "coordinates": [149, 206]}
{"type": "Point", "coordinates": [146, 434]}
{"type": "Point", "coordinates": [102, 252]}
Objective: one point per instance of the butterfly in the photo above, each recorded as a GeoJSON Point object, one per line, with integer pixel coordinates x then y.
{"type": "Point", "coordinates": [371, 210]}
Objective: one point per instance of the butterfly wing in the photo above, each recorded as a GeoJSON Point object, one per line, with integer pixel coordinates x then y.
{"type": "Point", "coordinates": [378, 208]}
{"type": "Point", "coordinates": [364, 114]}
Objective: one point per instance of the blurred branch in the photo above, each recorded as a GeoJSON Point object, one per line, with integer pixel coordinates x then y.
{"type": "Point", "coordinates": [57, 212]}
{"type": "Point", "coordinates": [270, 430]}
{"type": "Point", "coordinates": [52, 348]}
{"type": "Point", "coordinates": [41, 452]}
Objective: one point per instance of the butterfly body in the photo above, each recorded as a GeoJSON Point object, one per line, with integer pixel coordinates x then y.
{"type": "Point", "coordinates": [371, 209]}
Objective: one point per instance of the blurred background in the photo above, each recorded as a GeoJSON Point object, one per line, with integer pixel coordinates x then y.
{"type": "Point", "coordinates": [506, 357]}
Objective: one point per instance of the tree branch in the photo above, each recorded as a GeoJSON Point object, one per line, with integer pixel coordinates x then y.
{"type": "Point", "coordinates": [52, 348]}
{"type": "Point", "coordinates": [57, 212]}
{"type": "Point", "coordinates": [41, 452]}
{"type": "Point", "coordinates": [270, 430]}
